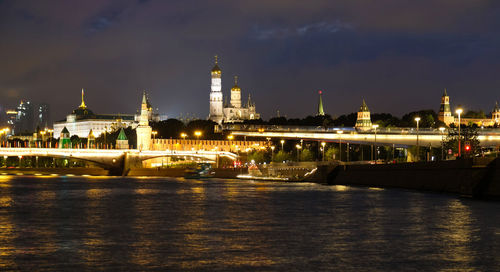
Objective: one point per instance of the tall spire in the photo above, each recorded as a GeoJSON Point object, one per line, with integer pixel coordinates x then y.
{"type": "Point", "coordinates": [82, 106]}
{"type": "Point", "coordinates": [144, 99]}
{"type": "Point", "coordinates": [445, 93]}
{"type": "Point", "coordinates": [249, 102]}
{"type": "Point", "coordinates": [320, 105]}
{"type": "Point", "coordinates": [364, 107]}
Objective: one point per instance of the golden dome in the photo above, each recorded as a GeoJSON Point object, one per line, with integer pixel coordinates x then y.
{"type": "Point", "coordinates": [216, 68]}
{"type": "Point", "coordinates": [235, 87]}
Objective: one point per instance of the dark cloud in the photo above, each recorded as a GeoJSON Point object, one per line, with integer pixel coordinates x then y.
{"type": "Point", "coordinates": [397, 54]}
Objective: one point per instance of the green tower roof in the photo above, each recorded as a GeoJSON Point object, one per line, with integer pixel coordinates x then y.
{"type": "Point", "coordinates": [122, 135]}
{"type": "Point", "coordinates": [320, 104]}
{"type": "Point", "coordinates": [65, 130]}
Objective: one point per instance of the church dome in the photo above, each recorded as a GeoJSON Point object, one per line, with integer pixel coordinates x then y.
{"type": "Point", "coordinates": [236, 87]}
{"type": "Point", "coordinates": [216, 68]}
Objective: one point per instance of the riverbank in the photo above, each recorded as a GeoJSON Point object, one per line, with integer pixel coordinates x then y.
{"type": "Point", "coordinates": [466, 177]}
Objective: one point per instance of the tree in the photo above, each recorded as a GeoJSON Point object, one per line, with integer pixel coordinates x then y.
{"type": "Point", "coordinates": [207, 128]}
{"type": "Point", "coordinates": [467, 134]}
{"type": "Point", "coordinates": [427, 119]}
{"type": "Point", "coordinates": [330, 153]}
{"type": "Point", "coordinates": [170, 128]}
{"type": "Point", "coordinates": [348, 120]}
{"type": "Point", "coordinates": [256, 156]}
{"type": "Point", "coordinates": [306, 155]}
{"type": "Point", "coordinates": [282, 156]}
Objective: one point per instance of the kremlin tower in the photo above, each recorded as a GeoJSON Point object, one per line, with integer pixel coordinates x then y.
{"type": "Point", "coordinates": [364, 121]}
{"type": "Point", "coordinates": [320, 105]}
{"type": "Point", "coordinates": [445, 115]}
{"type": "Point", "coordinates": [144, 130]}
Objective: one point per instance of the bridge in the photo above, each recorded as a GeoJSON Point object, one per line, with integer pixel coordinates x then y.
{"type": "Point", "coordinates": [385, 136]}
{"type": "Point", "coordinates": [117, 161]}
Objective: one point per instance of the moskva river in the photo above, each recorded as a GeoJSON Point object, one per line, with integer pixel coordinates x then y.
{"type": "Point", "coordinates": [124, 224]}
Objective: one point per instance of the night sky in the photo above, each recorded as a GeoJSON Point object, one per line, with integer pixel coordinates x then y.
{"type": "Point", "coordinates": [398, 55]}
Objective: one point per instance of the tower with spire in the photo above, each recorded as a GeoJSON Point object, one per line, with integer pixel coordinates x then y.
{"type": "Point", "coordinates": [445, 115]}
{"type": "Point", "coordinates": [495, 114]}
{"type": "Point", "coordinates": [83, 106]}
{"type": "Point", "coordinates": [363, 122]}
{"type": "Point", "coordinates": [144, 130]}
{"type": "Point", "coordinates": [216, 103]}
{"type": "Point", "coordinates": [321, 112]}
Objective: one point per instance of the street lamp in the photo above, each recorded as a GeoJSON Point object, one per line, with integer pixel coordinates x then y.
{"type": "Point", "coordinates": [459, 111]}
{"type": "Point", "coordinates": [375, 128]}
{"type": "Point", "coordinates": [441, 129]}
{"type": "Point", "coordinates": [417, 119]}
{"type": "Point", "coordinates": [43, 134]}
{"type": "Point", "coordinates": [230, 137]}
{"type": "Point", "coordinates": [339, 132]}
{"type": "Point", "coordinates": [298, 151]}
{"type": "Point", "coordinates": [323, 145]}
{"type": "Point", "coordinates": [282, 142]}
{"type": "Point", "coordinates": [50, 131]}
{"type": "Point", "coordinates": [183, 135]}
{"type": "Point", "coordinates": [154, 134]}
{"type": "Point", "coordinates": [198, 134]}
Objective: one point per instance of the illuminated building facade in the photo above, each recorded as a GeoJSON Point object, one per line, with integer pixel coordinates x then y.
{"type": "Point", "coordinates": [144, 131]}
{"type": "Point", "coordinates": [235, 111]}
{"type": "Point", "coordinates": [445, 115]}
{"type": "Point", "coordinates": [364, 122]}
{"type": "Point", "coordinates": [82, 120]}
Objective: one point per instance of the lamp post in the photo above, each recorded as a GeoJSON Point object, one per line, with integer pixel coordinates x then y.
{"type": "Point", "coordinates": [339, 132]}
{"type": "Point", "coordinates": [282, 142]}
{"type": "Point", "coordinates": [441, 129]}
{"type": "Point", "coordinates": [375, 128]}
{"type": "Point", "coordinates": [154, 132]}
{"type": "Point", "coordinates": [50, 131]}
{"type": "Point", "coordinates": [198, 134]}
{"type": "Point", "coordinates": [105, 132]}
{"type": "Point", "coordinates": [417, 119]}
{"type": "Point", "coordinates": [323, 146]}
{"type": "Point", "coordinates": [42, 133]}
{"type": "Point", "coordinates": [459, 111]}
{"type": "Point", "coordinates": [298, 151]}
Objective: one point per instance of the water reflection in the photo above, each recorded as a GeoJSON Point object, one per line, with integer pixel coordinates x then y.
{"type": "Point", "coordinates": [75, 223]}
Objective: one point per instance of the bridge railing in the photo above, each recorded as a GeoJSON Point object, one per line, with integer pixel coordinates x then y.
{"type": "Point", "coordinates": [392, 130]}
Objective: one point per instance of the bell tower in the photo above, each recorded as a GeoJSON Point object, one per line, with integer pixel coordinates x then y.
{"type": "Point", "coordinates": [216, 103]}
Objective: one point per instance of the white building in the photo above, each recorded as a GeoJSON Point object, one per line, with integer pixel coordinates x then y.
{"type": "Point", "coordinates": [235, 111]}
{"type": "Point", "coordinates": [82, 120]}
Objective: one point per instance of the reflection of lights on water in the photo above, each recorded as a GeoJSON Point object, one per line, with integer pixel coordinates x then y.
{"type": "Point", "coordinates": [376, 188]}
{"type": "Point", "coordinates": [340, 188]}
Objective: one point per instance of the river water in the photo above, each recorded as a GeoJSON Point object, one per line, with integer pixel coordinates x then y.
{"type": "Point", "coordinates": [101, 223]}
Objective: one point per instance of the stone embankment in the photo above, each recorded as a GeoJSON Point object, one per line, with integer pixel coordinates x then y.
{"type": "Point", "coordinates": [467, 177]}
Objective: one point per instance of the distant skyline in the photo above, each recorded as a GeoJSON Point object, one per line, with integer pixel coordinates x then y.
{"type": "Point", "coordinates": [397, 55]}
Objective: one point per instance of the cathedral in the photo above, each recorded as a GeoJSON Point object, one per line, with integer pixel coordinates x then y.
{"type": "Point", "coordinates": [235, 111]}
